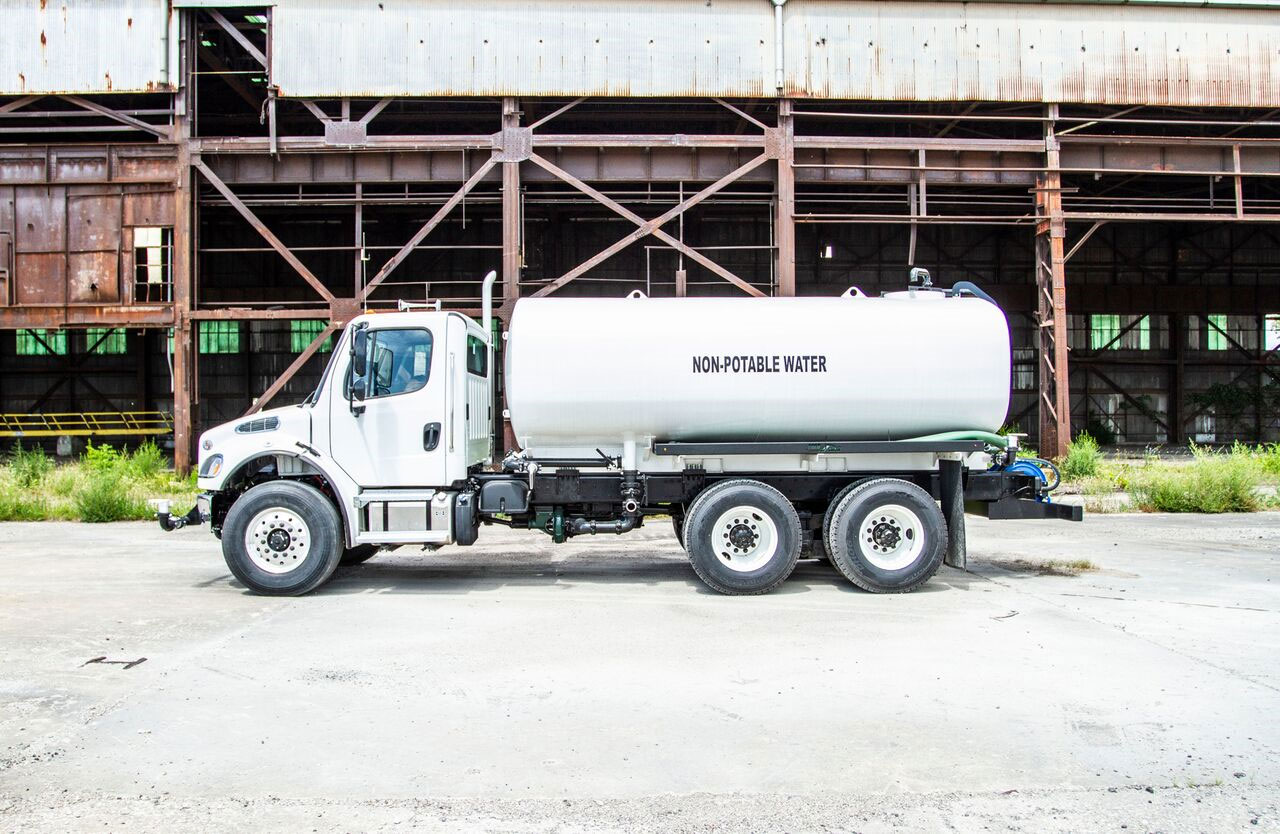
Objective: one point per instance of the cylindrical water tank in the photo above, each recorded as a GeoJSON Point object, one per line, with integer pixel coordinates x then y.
{"type": "Point", "coordinates": [582, 372]}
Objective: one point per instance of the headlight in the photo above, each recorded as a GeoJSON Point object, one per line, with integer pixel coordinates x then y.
{"type": "Point", "coordinates": [211, 467]}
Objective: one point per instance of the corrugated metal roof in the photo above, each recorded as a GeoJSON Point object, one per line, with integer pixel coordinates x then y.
{"type": "Point", "coordinates": [1058, 53]}
{"type": "Point", "coordinates": [1129, 53]}
{"type": "Point", "coordinates": [83, 46]}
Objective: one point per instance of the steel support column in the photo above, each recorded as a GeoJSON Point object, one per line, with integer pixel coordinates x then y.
{"type": "Point", "coordinates": [785, 208]}
{"type": "Point", "coordinates": [510, 207]}
{"type": "Point", "coordinates": [184, 377]}
{"type": "Point", "coordinates": [1051, 293]}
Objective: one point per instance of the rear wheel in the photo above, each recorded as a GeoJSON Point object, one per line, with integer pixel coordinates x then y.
{"type": "Point", "coordinates": [887, 535]}
{"type": "Point", "coordinates": [282, 538]}
{"type": "Point", "coordinates": [743, 537]}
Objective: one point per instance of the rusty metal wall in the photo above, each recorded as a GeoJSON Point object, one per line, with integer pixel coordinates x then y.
{"type": "Point", "coordinates": [872, 49]}
{"type": "Point", "coordinates": [84, 46]}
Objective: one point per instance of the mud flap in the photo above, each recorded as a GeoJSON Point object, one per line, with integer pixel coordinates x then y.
{"type": "Point", "coordinates": [950, 482]}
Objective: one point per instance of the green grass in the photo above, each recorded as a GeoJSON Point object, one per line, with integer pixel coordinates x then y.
{"type": "Point", "coordinates": [1083, 458]}
{"type": "Point", "coordinates": [1213, 482]}
{"type": "Point", "coordinates": [105, 484]}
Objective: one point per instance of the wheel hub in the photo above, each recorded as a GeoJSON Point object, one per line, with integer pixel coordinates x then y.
{"type": "Point", "coordinates": [886, 535]}
{"type": "Point", "coordinates": [277, 540]}
{"type": "Point", "coordinates": [742, 537]}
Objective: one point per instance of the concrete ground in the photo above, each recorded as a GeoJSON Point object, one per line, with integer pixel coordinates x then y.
{"type": "Point", "coordinates": [520, 686]}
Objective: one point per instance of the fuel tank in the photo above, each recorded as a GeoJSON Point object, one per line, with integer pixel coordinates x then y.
{"type": "Point", "coordinates": [597, 371]}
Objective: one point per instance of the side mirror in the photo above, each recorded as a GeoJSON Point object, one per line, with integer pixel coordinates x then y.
{"type": "Point", "coordinates": [360, 351]}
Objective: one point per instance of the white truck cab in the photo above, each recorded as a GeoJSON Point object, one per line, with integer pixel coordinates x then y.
{"type": "Point", "coordinates": [402, 413]}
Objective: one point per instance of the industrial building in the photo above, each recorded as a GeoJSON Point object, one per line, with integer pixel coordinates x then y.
{"type": "Point", "coordinates": [195, 196]}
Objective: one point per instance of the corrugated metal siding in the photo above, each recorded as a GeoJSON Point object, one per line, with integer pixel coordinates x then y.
{"type": "Point", "coordinates": [873, 49]}
{"type": "Point", "coordinates": [83, 46]}
{"type": "Point", "coordinates": [606, 47]}
{"type": "Point", "coordinates": [1056, 53]}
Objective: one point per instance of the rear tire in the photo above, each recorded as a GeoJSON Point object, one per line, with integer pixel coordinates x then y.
{"type": "Point", "coordinates": [282, 538]}
{"type": "Point", "coordinates": [831, 510]}
{"type": "Point", "coordinates": [887, 536]}
{"type": "Point", "coordinates": [743, 537]}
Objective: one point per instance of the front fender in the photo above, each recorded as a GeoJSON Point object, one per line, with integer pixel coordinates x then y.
{"type": "Point", "coordinates": [298, 462]}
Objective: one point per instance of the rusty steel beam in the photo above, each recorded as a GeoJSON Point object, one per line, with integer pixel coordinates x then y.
{"type": "Point", "coordinates": [646, 227]}
{"type": "Point", "coordinates": [1051, 293]}
{"type": "Point", "coordinates": [652, 227]}
{"type": "Point", "coordinates": [443, 211]}
{"type": "Point", "coordinates": [784, 220]}
{"type": "Point", "coordinates": [262, 230]}
{"type": "Point", "coordinates": [245, 43]}
{"type": "Point", "coordinates": [225, 73]}
{"type": "Point", "coordinates": [85, 315]}
{"type": "Point", "coordinates": [292, 370]}
{"type": "Point", "coordinates": [1084, 238]}
{"type": "Point", "coordinates": [234, 313]}
{"type": "Point", "coordinates": [540, 122]}
{"type": "Point", "coordinates": [742, 113]}
{"type": "Point", "coordinates": [511, 223]}
{"type": "Point", "coordinates": [162, 132]}
{"type": "Point", "coordinates": [18, 104]}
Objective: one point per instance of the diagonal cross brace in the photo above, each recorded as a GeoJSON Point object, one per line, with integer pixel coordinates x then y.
{"type": "Point", "coordinates": [426, 229]}
{"type": "Point", "coordinates": [650, 227]}
{"type": "Point", "coordinates": [293, 369]}
{"type": "Point", "coordinates": [244, 42]}
{"type": "Point", "coordinates": [262, 229]}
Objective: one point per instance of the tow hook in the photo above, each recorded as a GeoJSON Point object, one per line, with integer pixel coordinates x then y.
{"type": "Point", "coordinates": [168, 523]}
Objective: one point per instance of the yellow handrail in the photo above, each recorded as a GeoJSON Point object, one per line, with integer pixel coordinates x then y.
{"type": "Point", "coordinates": [89, 423]}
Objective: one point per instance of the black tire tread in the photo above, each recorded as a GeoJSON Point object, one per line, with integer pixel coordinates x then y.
{"type": "Point", "coordinates": [794, 524]}
{"type": "Point", "coordinates": [838, 557]}
{"type": "Point", "coordinates": [300, 495]}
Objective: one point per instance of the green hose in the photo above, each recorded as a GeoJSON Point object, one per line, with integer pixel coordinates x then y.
{"type": "Point", "coordinates": [985, 436]}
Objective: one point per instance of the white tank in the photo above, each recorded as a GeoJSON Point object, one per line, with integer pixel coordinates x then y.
{"type": "Point", "coordinates": [582, 372]}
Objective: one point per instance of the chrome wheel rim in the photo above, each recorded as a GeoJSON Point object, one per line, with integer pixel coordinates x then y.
{"type": "Point", "coordinates": [891, 537]}
{"type": "Point", "coordinates": [277, 540]}
{"type": "Point", "coordinates": [744, 538]}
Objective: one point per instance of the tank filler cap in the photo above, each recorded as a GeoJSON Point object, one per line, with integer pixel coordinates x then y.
{"type": "Point", "coordinates": [853, 292]}
{"type": "Point", "coordinates": [636, 294]}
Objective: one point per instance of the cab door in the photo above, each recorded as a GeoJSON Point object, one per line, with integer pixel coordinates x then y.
{"type": "Point", "coordinates": [396, 435]}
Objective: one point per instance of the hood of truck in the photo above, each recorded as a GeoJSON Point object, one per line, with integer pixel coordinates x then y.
{"type": "Point", "coordinates": [273, 430]}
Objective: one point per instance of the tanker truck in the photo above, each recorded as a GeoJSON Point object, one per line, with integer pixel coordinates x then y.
{"type": "Point", "coordinates": [855, 429]}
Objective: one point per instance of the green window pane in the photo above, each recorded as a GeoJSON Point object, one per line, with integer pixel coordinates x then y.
{"type": "Point", "coordinates": [1142, 333]}
{"type": "Point", "coordinates": [103, 341]}
{"type": "Point", "coordinates": [1216, 337]}
{"type": "Point", "coordinates": [219, 337]}
{"type": "Point", "coordinates": [42, 342]}
{"type": "Point", "coordinates": [303, 332]}
{"type": "Point", "coordinates": [1103, 328]}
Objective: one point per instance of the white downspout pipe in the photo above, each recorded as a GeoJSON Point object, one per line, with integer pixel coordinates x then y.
{"type": "Point", "coordinates": [486, 300]}
{"type": "Point", "coordinates": [778, 74]}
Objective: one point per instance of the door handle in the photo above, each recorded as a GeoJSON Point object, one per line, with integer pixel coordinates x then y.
{"type": "Point", "coordinates": [430, 436]}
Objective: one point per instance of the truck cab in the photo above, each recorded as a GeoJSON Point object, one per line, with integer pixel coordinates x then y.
{"type": "Point", "coordinates": [402, 414]}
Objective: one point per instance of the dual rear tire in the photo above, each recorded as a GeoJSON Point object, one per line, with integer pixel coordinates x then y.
{"type": "Point", "coordinates": [884, 535]}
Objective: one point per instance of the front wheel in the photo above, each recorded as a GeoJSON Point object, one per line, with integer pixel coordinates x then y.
{"type": "Point", "coordinates": [743, 537]}
{"type": "Point", "coordinates": [282, 538]}
{"type": "Point", "coordinates": [887, 535]}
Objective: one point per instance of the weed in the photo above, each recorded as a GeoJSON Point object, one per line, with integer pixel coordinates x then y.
{"type": "Point", "coordinates": [102, 458]}
{"type": "Point", "coordinates": [105, 496]}
{"type": "Point", "coordinates": [1083, 457]}
{"type": "Point", "coordinates": [18, 503]}
{"type": "Point", "coordinates": [30, 466]}
{"type": "Point", "coordinates": [1215, 482]}
{"type": "Point", "coordinates": [146, 461]}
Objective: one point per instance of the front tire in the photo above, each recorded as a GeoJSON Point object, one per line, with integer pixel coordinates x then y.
{"type": "Point", "coordinates": [743, 537]}
{"type": "Point", "coordinates": [282, 538]}
{"type": "Point", "coordinates": [887, 536]}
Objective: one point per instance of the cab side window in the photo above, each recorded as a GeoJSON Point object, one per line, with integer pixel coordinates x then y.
{"type": "Point", "coordinates": [399, 362]}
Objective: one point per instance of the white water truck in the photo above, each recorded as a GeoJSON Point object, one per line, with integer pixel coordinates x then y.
{"type": "Point", "coordinates": [767, 429]}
